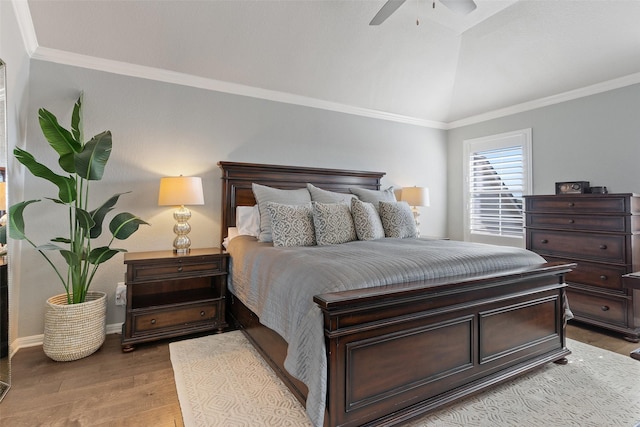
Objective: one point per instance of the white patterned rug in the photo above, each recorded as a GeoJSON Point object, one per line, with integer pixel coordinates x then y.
{"type": "Point", "coordinates": [223, 381]}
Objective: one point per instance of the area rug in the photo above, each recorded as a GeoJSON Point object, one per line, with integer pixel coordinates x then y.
{"type": "Point", "coordinates": [222, 381]}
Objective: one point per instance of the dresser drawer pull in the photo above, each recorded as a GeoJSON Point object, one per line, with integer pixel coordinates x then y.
{"type": "Point", "coordinates": [604, 308]}
{"type": "Point", "coordinates": [202, 313]}
{"type": "Point", "coordinates": [571, 204]}
{"type": "Point", "coordinates": [603, 277]}
{"type": "Point", "coordinates": [180, 269]}
{"type": "Point", "coordinates": [544, 241]}
{"type": "Point", "coordinates": [603, 246]}
{"type": "Point", "coordinates": [153, 321]}
{"type": "Point", "coordinates": [571, 221]}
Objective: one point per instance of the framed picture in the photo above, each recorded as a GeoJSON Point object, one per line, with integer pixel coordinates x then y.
{"type": "Point", "coordinates": [573, 187]}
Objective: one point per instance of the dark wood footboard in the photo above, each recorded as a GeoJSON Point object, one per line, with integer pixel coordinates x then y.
{"type": "Point", "coordinates": [396, 352]}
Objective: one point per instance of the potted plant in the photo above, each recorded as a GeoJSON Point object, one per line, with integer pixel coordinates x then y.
{"type": "Point", "coordinates": [67, 337]}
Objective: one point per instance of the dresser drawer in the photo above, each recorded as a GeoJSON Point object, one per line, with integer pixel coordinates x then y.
{"type": "Point", "coordinates": [146, 321]}
{"type": "Point", "coordinates": [594, 274]}
{"type": "Point", "coordinates": [603, 247]}
{"type": "Point", "coordinates": [176, 268]}
{"type": "Point", "coordinates": [611, 223]}
{"type": "Point", "coordinates": [577, 204]}
{"type": "Point", "coordinates": [598, 307]}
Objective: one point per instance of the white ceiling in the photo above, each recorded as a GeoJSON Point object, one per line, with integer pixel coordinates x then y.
{"type": "Point", "coordinates": [449, 68]}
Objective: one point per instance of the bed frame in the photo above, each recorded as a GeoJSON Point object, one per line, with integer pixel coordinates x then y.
{"type": "Point", "coordinates": [396, 352]}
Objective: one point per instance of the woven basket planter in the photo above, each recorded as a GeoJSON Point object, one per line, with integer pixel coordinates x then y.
{"type": "Point", "coordinates": [74, 331]}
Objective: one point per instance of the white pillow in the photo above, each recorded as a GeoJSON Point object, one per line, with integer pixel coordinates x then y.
{"type": "Point", "coordinates": [264, 194]}
{"type": "Point", "coordinates": [325, 196]}
{"type": "Point", "coordinates": [397, 220]}
{"type": "Point", "coordinates": [248, 220]}
{"type": "Point", "coordinates": [333, 223]}
{"type": "Point", "coordinates": [374, 196]}
{"type": "Point", "coordinates": [366, 220]}
{"type": "Point", "coordinates": [291, 225]}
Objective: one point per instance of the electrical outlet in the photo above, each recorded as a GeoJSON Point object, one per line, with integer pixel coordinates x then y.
{"type": "Point", "coordinates": [121, 294]}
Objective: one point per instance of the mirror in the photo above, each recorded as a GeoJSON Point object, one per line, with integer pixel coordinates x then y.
{"type": "Point", "coordinates": [5, 365]}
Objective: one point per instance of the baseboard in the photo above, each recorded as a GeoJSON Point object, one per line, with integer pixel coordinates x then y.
{"type": "Point", "coordinates": [36, 340]}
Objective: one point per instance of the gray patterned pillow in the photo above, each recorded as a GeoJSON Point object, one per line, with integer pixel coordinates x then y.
{"type": "Point", "coordinates": [366, 220]}
{"type": "Point", "coordinates": [291, 225]}
{"type": "Point", "coordinates": [264, 194]}
{"type": "Point", "coordinates": [325, 196]}
{"type": "Point", "coordinates": [397, 220]}
{"type": "Point", "coordinates": [374, 196]}
{"type": "Point", "coordinates": [333, 223]}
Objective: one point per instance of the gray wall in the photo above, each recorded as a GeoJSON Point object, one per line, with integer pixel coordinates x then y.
{"type": "Point", "coordinates": [595, 139]}
{"type": "Point", "coordinates": [162, 129]}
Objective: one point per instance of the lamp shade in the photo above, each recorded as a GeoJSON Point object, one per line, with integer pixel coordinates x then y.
{"type": "Point", "coordinates": [180, 190]}
{"type": "Point", "coordinates": [415, 196]}
{"type": "Point", "coordinates": [3, 196]}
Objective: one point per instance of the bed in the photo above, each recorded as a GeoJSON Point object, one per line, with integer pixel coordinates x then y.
{"type": "Point", "coordinates": [467, 331]}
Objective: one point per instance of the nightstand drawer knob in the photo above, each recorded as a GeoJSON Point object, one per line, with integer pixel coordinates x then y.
{"type": "Point", "coordinates": [603, 246]}
{"type": "Point", "coordinates": [604, 308]}
{"type": "Point", "coordinates": [603, 277]}
{"type": "Point", "coordinates": [202, 313]}
{"type": "Point", "coordinates": [544, 241]}
{"type": "Point", "coordinates": [153, 321]}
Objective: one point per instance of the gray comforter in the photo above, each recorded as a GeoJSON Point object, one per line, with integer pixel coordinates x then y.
{"type": "Point", "coordinates": [278, 284]}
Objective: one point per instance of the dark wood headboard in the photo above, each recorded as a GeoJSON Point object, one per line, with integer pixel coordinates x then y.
{"type": "Point", "coordinates": [238, 177]}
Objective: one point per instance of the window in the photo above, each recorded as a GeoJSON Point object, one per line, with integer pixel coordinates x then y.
{"type": "Point", "coordinates": [497, 175]}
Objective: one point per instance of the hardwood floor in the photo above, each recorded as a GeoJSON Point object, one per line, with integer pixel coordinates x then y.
{"type": "Point", "coordinates": [111, 388]}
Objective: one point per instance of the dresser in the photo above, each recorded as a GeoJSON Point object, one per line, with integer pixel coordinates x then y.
{"type": "Point", "coordinates": [600, 233]}
{"type": "Point", "coordinates": [170, 295]}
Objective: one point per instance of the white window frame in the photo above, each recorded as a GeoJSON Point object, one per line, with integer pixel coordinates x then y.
{"type": "Point", "coordinates": [520, 138]}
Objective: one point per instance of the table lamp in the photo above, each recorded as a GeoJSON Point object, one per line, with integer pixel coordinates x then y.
{"type": "Point", "coordinates": [415, 196]}
{"type": "Point", "coordinates": [181, 191]}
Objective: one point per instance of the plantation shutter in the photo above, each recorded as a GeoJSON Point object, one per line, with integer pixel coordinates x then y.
{"type": "Point", "coordinates": [496, 179]}
{"type": "Point", "coordinates": [497, 176]}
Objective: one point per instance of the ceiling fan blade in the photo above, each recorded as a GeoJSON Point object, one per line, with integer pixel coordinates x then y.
{"type": "Point", "coordinates": [461, 7]}
{"type": "Point", "coordinates": [389, 7]}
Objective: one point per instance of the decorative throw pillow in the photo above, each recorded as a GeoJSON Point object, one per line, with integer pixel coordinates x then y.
{"type": "Point", "coordinates": [333, 223]}
{"type": "Point", "coordinates": [397, 220]}
{"type": "Point", "coordinates": [264, 194]}
{"type": "Point", "coordinates": [324, 196]}
{"type": "Point", "coordinates": [366, 220]}
{"type": "Point", "coordinates": [291, 225]}
{"type": "Point", "coordinates": [374, 196]}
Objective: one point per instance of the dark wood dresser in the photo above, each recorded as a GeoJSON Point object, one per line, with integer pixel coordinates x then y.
{"type": "Point", "coordinates": [600, 233]}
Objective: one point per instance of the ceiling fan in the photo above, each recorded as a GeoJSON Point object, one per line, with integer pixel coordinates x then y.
{"type": "Point", "coordinates": [462, 7]}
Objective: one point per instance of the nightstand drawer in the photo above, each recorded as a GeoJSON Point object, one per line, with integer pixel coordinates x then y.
{"type": "Point", "coordinates": [177, 268]}
{"type": "Point", "coordinates": [174, 318]}
{"type": "Point", "coordinates": [598, 307]}
{"type": "Point", "coordinates": [594, 274]}
{"type": "Point", "coordinates": [604, 247]}
{"type": "Point", "coordinates": [579, 222]}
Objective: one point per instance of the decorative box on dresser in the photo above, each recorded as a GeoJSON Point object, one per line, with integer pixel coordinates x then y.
{"type": "Point", "coordinates": [170, 295]}
{"type": "Point", "coordinates": [599, 232]}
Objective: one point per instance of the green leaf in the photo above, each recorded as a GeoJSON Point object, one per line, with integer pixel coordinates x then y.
{"type": "Point", "coordinates": [61, 240]}
{"type": "Point", "coordinates": [73, 260]}
{"type": "Point", "coordinates": [124, 225]}
{"type": "Point", "coordinates": [59, 138]}
{"type": "Point", "coordinates": [76, 120]}
{"type": "Point", "coordinates": [84, 219]}
{"type": "Point", "coordinates": [99, 214]}
{"type": "Point", "coordinates": [16, 222]}
{"type": "Point", "coordinates": [66, 185]}
{"type": "Point", "coordinates": [102, 254]}
{"type": "Point", "coordinates": [91, 161]}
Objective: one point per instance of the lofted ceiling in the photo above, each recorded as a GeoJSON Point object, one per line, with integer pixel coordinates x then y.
{"type": "Point", "coordinates": [447, 69]}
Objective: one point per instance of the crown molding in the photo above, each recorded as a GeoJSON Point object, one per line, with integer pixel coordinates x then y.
{"type": "Point", "coordinates": [151, 73]}
{"type": "Point", "coordinates": [25, 23]}
{"type": "Point", "coordinates": [594, 89]}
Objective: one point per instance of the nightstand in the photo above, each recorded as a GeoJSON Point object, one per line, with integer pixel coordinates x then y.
{"type": "Point", "coordinates": [170, 295]}
{"type": "Point", "coordinates": [632, 281]}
